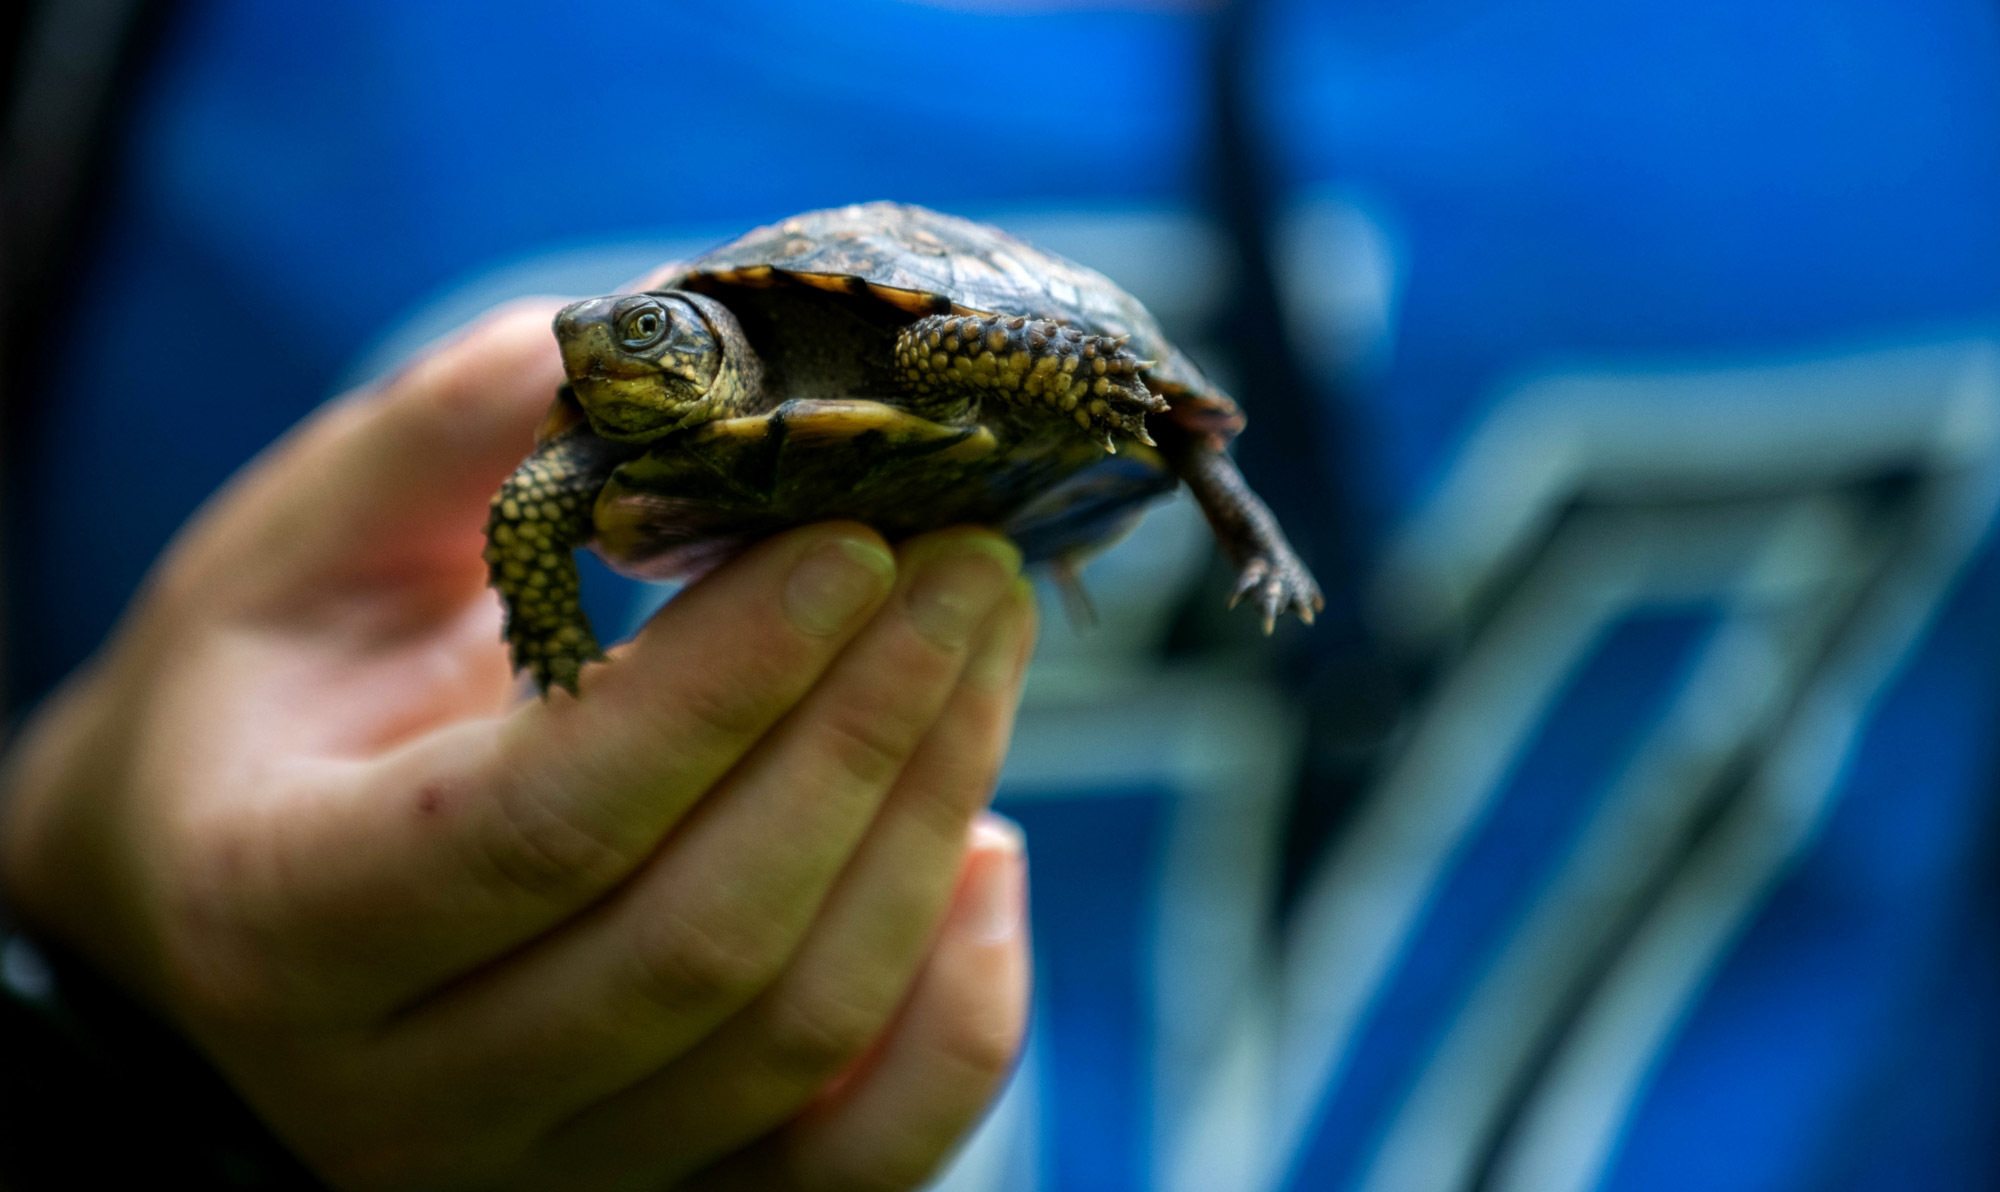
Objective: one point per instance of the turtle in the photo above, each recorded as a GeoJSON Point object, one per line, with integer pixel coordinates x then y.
{"type": "Point", "coordinates": [882, 362]}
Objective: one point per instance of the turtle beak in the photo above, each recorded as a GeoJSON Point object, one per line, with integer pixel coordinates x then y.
{"type": "Point", "coordinates": [583, 330]}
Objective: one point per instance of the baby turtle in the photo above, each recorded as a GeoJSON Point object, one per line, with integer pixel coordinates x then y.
{"type": "Point", "coordinates": [880, 362]}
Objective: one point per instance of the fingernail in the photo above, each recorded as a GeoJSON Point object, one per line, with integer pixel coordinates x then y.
{"type": "Point", "coordinates": [995, 899]}
{"type": "Point", "coordinates": [958, 582]}
{"type": "Point", "coordinates": [834, 581]}
{"type": "Point", "coordinates": [998, 659]}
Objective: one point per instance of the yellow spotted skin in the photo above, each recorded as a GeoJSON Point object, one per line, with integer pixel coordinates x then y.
{"type": "Point", "coordinates": [537, 520]}
{"type": "Point", "coordinates": [1043, 368]}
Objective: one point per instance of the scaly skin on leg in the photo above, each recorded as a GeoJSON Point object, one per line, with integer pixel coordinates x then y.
{"type": "Point", "coordinates": [539, 518]}
{"type": "Point", "coordinates": [1270, 571]}
{"type": "Point", "coordinates": [950, 363]}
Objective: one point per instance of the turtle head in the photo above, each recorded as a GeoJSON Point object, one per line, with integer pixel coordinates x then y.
{"type": "Point", "coordinates": [646, 364]}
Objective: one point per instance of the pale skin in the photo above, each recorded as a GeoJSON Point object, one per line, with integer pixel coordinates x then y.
{"type": "Point", "coordinates": [733, 917]}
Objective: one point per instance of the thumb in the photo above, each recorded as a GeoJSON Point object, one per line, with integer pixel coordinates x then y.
{"type": "Point", "coordinates": [388, 487]}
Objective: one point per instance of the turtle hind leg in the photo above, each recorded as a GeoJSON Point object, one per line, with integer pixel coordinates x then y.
{"type": "Point", "coordinates": [538, 519]}
{"type": "Point", "coordinates": [957, 362]}
{"type": "Point", "coordinates": [1269, 572]}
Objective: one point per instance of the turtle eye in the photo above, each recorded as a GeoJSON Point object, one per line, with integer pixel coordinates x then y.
{"type": "Point", "coordinates": [643, 327]}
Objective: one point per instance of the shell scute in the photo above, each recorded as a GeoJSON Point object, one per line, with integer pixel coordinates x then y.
{"type": "Point", "coordinates": [921, 261]}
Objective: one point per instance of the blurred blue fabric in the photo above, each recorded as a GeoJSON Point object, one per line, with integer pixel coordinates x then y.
{"type": "Point", "coordinates": [1669, 334]}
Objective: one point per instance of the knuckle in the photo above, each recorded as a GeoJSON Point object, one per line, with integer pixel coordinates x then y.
{"type": "Point", "coordinates": [870, 743]}
{"type": "Point", "coordinates": [532, 846]}
{"type": "Point", "coordinates": [687, 966]}
{"type": "Point", "coordinates": [217, 950]}
{"type": "Point", "coordinates": [812, 1037]}
{"type": "Point", "coordinates": [942, 812]}
{"type": "Point", "coordinates": [735, 710]}
{"type": "Point", "coordinates": [945, 788]}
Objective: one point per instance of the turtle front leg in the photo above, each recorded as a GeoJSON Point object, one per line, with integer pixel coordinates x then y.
{"type": "Point", "coordinates": [538, 520]}
{"type": "Point", "coordinates": [952, 363]}
{"type": "Point", "coordinates": [1269, 571]}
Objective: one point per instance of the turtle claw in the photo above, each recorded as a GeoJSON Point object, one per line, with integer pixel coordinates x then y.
{"type": "Point", "coordinates": [551, 663]}
{"type": "Point", "coordinates": [1129, 404]}
{"type": "Point", "coordinates": [1134, 401]}
{"type": "Point", "coordinates": [1278, 586]}
{"type": "Point", "coordinates": [549, 678]}
{"type": "Point", "coordinates": [562, 672]}
{"type": "Point", "coordinates": [1253, 573]}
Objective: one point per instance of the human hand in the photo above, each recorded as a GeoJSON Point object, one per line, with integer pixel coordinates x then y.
{"type": "Point", "coordinates": [730, 918]}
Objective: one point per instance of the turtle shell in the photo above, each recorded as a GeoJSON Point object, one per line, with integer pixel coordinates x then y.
{"type": "Point", "coordinates": [926, 262]}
